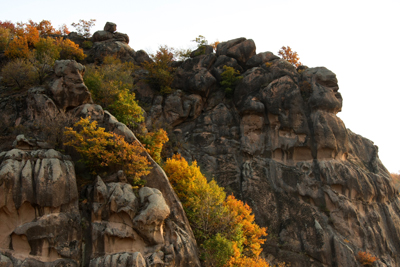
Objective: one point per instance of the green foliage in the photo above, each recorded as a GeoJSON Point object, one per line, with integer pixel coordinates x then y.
{"type": "Point", "coordinates": [110, 85]}
{"type": "Point", "coordinates": [216, 221]}
{"type": "Point", "coordinates": [217, 251]}
{"type": "Point", "coordinates": [18, 73]}
{"type": "Point", "coordinates": [126, 109]}
{"type": "Point", "coordinates": [230, 78]}
{"type": "Point", "coordinates": [83, 27]}
{"type": "Point", "coordinates": [49, 47]}
{"type": "Point", "coordinates": [154, 143]}
{"type": "Point", "coordinates": [87, 44]}
{"type": "Point", "coordinates": [182, 54]}
{"type": "Point", "coordinates": [160, 72]}
{"type": "Point", "coordinates": [102, 151]}
{"type": "Point", "coordinates": [201, 45]}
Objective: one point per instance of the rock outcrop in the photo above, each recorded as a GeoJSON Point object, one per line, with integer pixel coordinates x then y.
{"type": "Point", "coordinates": [45, 221]}
{"type": "Point", "coordinates": [319, 188]}
{"type": "Point", "coordinates": [109, 42]}
{"type": "Point", "coordinates": [277, 144]}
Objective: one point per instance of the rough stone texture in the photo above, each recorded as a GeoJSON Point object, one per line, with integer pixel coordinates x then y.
{"type": "Point", "coordinates": [76, 38]}
{"type": "Point", "coordinates": [40, 220]}
{"type": "Point", "coordinates": [151, 228]}
{"type": "Point", "coordinates": [111, 43]}
{"type": "Point", "coordinates": [42, 224]}
{"type": "Point", "coordinates": [110, 27]}
{"type": "Point", "coordinates": [67, 89]}
{"type": "Point", "coordinates": [278, 145]}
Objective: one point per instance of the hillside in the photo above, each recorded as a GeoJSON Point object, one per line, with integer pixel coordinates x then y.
{"type": "Point", "coordinates": [266, 131]}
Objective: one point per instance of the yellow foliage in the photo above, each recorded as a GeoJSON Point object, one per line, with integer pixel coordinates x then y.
{"type": "Point", "coordinates": [238, 260]}
{"type": "Point", "coordinates": [70, 50]}
{"type": "Point", "coordinates": [101, 149]}
{"type": "Point", "coordinates": [154, 142]}
{"type": "Point", "coordinates": [210, 213]}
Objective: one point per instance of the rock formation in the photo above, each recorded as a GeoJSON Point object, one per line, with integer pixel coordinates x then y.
{"type": "Point", "coordinates": [109, 42]}
{"type": "Point", "coordinates": [42, 221]}
{"type": "Point", "coordinates": [277, 144]}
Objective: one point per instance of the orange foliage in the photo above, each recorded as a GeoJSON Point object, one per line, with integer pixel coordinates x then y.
{"type": "Point", "coordinates": [45, 28]}
{"type": "Point", "coordinates": [101, 149]}
{"type": "Point", "coordinates": [292, 57]}
{"type": "Point", "coordinates": [63, 30]}
{"type": "Point", "coordinates": [252, 233]}
{"type": "Point", "coordinates": [70, 50]}
{"type": "Point", "coordinates": [17, 48]}
{"type": "Point", "coordinates": [365, 258]}
{"type": "Point", "coordinates": [215, 44]}
{"type": "Point", "coordinates": [216, 220]}
{"type": "Point", "coordinates": [31, 34]}
{"type": "Point", "coordinates": [238, 260]}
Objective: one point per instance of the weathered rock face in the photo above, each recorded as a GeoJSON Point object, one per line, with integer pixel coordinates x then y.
{"type": "Point", "coordinates": [68, 90]}
{"type": "Point", "coordinates": [109, 42]}
{"type": "Point", "coordinates": [42, 221]}
{"type": "Point", "coordinates": [319, 188]}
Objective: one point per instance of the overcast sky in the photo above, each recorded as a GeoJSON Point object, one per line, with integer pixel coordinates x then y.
{"type": "Point", "coordinates": [357, 40]}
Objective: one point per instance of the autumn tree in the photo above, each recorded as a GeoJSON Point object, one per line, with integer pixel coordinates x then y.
{"type": "Point", "coordinates": [83, 27]}
{"type": "Point", "coordinates": [102, 150]}
{"type": "Point", "coordinates": [17, 48]}
{"type": "Point", "coordinates": [290, 56]}
{"type": "Point", "coordinates": [70, 50]}
{"type": "Point", "coordinates": [223, 227]}
{"type": "Point", "coordinates": [63, 29]}
{"type": "Point", "coordinates": [8, 25]}
{"type": "Point", "coordinates": [160, 72]}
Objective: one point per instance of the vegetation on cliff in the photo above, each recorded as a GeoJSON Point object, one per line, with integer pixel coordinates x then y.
{"type": "Point", "coordinates": [223, 226]}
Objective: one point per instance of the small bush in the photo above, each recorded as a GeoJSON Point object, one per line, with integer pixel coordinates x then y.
{"type": "Point", "coordinates": [290, 56]}
{"type": "Point", "coordinates": [365, 258]}
{"type": "Point", "coordinates": [87, 44]}
{"type": "Point", "coordinates": [230, 78]}
{"type": "Point", "coordinates": [160, 73]}
{"type": "Point", "coordinates": [102, 150]}
{"type": "Point", "coordinates": [18, 73]}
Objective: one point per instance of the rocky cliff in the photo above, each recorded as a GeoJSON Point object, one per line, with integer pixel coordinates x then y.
{"type": "Point", "coordinates": [276, 143]}
{"type": "Point", "coordinates": [45, 221]}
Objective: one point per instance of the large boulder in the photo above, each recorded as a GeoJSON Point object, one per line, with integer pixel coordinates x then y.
{"type": "Point", "coordinates": [67, 88]}
{"type": "Point", "coordinates": [39, 207]}
{"type": "Point", "coordinates": [110, 27]}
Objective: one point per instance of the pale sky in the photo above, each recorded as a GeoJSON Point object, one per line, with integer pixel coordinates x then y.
{"type": "Point", "coordinates": [357, 40]}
